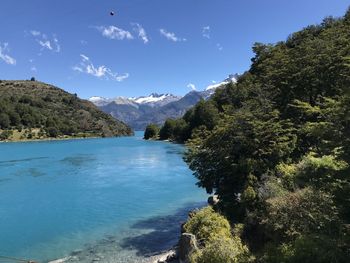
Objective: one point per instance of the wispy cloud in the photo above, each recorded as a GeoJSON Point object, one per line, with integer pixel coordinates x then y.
{"type": "Point", "coordinates": [171, 36]}
{"type": "Point", "coordinates": [191, 86]}
{"type": "Point", "coordinates": [86, 66]}
{"type": "Point", "coordinates": [49, 43]}
{"type": "Point", "coordinates": [141, 32]}
{"type": "Point", "coordinates": [220, 48]}
{"type": "Point", "coordinates": [113, 32]}
{"type": "Point", "coordinates": [206, 32]}
{"type": "Point", "coordinates": [5, 56]}
{"type": "Point", "coordinates": [35, 33]}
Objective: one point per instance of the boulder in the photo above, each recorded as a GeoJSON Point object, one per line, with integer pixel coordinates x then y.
{"type": "Point", "coordinates": [213, 200]}
{"type": "Point", "coordinates": [187, 245]}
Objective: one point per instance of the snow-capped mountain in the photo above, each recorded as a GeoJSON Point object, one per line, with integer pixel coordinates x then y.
{"type": "Point", "coordinates": [138, 112]}
{"type": "Point", "coordinates": [99, 101]}
{"type": "Point", "coordinates": [231, 79]}
{"type": "Point", "coordinates": [156, 100]}
{"type": "Point", "coordinates": [153, 100]}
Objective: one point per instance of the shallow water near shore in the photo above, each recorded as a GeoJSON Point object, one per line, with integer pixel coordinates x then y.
{"type": "Point", "coordinates": [108, 200]}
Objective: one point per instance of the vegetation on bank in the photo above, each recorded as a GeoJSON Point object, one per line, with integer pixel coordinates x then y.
{"type": "Point", "coordinates": [275, 148]}
{"type": "Point", "coordinates": [35, 110]}
{"type": "Point", "coordinates": [151, 132]}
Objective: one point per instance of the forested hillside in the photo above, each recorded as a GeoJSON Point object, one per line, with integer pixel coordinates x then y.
{"type": "Point", "coordinates": [35, 110]}
{"type": "Point", "coordinates": [275, 148]}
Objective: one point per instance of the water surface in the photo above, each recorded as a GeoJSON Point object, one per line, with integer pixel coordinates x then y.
{"type": "Point", "coordinates": [114, 199]}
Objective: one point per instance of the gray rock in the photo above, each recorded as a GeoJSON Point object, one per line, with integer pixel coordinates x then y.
{"type": "Point", "coordinates": [213, 200]}
{"type": "Point", "coordinates": [187, 245]}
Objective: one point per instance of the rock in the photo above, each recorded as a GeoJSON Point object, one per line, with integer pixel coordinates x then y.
{"type": "Point", "coordinates": [61, 260]}
{"type": "Point", "coordinates": [213, 200]}
{"type": "Point", "coordinates": [76, 252]}
{"type": "Point", "coordinates": [187, 245]}
{"type": "Point", "coordinates": [168, 257]}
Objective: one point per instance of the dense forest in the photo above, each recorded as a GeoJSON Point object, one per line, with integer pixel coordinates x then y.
{"type": "Point", "coordinates": [35, 110]}
{"type": "Point", "coordinates": [275, 149]}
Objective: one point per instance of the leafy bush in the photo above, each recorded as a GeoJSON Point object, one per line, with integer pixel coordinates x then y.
{"type": "Point", "coordinates": [151, 132]}
{"type": "Point", "coordinates": [306, 211]}
{"type": "Point", "coordinates": [222, 250]}
{"type": "Point", "coordinates": [309, 248]}
{"type": "Point", "coordinates": [206, 224]}
{"type": "Point", "coordinates": [213, 232]}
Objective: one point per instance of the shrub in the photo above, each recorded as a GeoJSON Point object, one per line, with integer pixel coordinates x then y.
{"type": "Point", "coordinates": [206, 224]}
{"type": "Point", "coordinates": [305, 211]}
{"type": "Point", "coordinates": [5, 135]}
{"type": "Point", "coordinates": [222, 250]}
{"type": "Point", "coordinates": [310, 248]}
{"type": "Point", "coordinates": [52, 131]}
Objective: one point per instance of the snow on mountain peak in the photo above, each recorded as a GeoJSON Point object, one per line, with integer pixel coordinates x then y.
{"type": "Point", "coordinates": [232, 78]}
{"type": "Point", "coordinates": [99, 101]}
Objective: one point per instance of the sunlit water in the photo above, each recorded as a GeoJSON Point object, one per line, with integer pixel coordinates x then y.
{"type": "Point", "coordinates": [112, 200]}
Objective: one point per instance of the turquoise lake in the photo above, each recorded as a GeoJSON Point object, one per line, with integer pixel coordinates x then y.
{"type": "Point", "coordinates": [114, 199]}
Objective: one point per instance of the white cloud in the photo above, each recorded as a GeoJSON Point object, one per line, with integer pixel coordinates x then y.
{"type": "Point", "coordinates": [4, 56]}
{"type": "Point", "coordinates": [45, 42]}
{"type": "Point", "coordinates": [141, 32]}
{"type": "Point", "coordinates": [206, 32]}
{"type": "Point", "coordinates": [83, 42]}
{"type": "Point", "coordinates": [113, 32]}
{"type": "Point", "coordinates": [35, 33]}
{"type": "Point", "coordinates": [220, 48]}
{"type": "Point", "coordinates": [191, 86]}
{"type": "Point", "coordinates": [86, 66]}
{"type": "Point", "coordinates": [171, 36]}
{"type": "Point", "coordinates": [34, 69]}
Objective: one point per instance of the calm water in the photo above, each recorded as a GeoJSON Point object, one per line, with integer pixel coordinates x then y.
{"type": "Point", "coordinates": [117, 199]}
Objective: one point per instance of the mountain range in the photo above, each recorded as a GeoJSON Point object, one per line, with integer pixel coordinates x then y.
{"type": "Point", "coordinates": [138, 112]}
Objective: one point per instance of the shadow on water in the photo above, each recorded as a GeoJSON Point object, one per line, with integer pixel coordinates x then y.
{"type": "Point", "coordinates": [78, 160]}
{"type": "Point", "coordinates": [164, 235]}
{"type": "Point", "coordinates": [33, 172]}
{"type": "Point", "coordinates": [11, 162]}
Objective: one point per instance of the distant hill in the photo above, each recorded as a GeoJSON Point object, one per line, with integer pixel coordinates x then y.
{"type": "Point", "coordinates": [155, 108]}
{"type": "Point", "coordinates": [35, 110]}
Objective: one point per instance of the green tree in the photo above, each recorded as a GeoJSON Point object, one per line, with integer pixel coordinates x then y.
{"type": "Point", "coordinates": [4, 121]}
{"type": "Point", "coordinates": [167, 130]}
{"type": "Point", "coordinates": [151, 132]}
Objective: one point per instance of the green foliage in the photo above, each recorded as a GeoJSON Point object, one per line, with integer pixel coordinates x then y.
{"type": "Point", "coordinates": [218, 245]}
{"type": "Point", "coordinates": [32, 104]}
{"type": "Point", "coordinates": [219, 250]}
{"type": "Point", "coordinates": [167, 130]}
{"type": "Point", "coordinates": [206, 224]}
{"type": "Point", "coordinates": [4, 121]}
{"type": "Point", "coordinates": [275, 147]}
{"type": "Point", "coordinates": [5, 135]}
{"type": "Point", "coordinates": [203, 114]}
{"type": "Point", "coordinates": [151, 132]}
{"type": "Point", "coordinates": [308, 248]}
{"type": "Point", "coordinates": [302, 212]}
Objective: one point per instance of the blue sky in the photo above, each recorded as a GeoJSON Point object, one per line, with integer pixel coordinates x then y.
{"type": "Point", "coordinates": [148, 45]}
